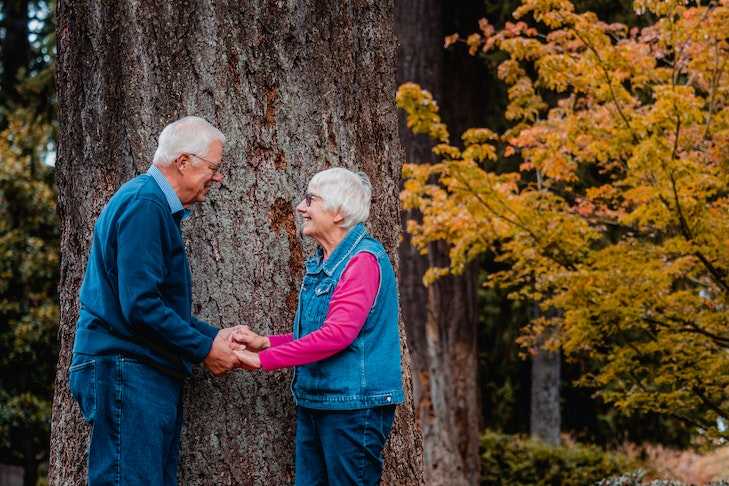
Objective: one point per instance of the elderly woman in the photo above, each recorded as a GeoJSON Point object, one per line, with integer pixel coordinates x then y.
{"type": "Point", "coordinates": [345, 344]}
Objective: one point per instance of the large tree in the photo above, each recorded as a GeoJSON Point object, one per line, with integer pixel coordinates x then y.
{"type": "Point", "coordinates": [296, 88]}
{"type": "Point", "coordinates": [442, 320]}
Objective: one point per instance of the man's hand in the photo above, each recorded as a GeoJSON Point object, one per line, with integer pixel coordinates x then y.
{"type": "Point", "coordinates": [248, 360]}
{"type": "Point", "coordinates": [250, 340]}
{"type": "Point", "coordinates": [228, 334]}
{"type": "Point", "coordinates": [221, 358]}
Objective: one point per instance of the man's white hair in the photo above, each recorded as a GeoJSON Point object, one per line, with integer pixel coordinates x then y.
{"type": "Point", "coordinates": [188, 135]}
{"type": "Point", "coordinates": [344, 191]}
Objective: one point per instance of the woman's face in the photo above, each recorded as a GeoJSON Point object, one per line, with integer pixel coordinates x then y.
{"type": "Point", "coordinates": [318, 222]}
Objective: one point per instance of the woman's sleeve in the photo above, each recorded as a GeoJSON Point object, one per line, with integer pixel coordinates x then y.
{"type": "Point", "coordinates": [278, 339]}
{"type": "Point", "coordinates": [349, 307]}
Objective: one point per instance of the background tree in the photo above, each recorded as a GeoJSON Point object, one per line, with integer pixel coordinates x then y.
{"type": "Point", "coordinates": [296, 88]}
{"type": "Point", "coordinates": [28, 304]}
{"type": "Point", "coordinates": [442, 320]}
{"type": "Point", "coordinates": [617, 208]}
{"type": "Point", "coordinates": [505, 376]}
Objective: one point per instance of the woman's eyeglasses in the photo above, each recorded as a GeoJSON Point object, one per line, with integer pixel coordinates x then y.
{"type": "Point", "coordinates": [308, 197]}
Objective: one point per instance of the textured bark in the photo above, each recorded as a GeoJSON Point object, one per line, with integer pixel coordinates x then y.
{"type": "Point", "coordinates": [296, 87]}
{"type": "Point", "coordinates": [441, 320]}
{"type": "Point", "coordinates": [545, 417]}
{"type": "Point", "coordinates": [544, 420]}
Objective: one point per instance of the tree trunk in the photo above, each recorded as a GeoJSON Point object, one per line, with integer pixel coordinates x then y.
{"type": "Point", "coordinates": [544, 416]}
{"type": "Point", "coordinates": [544, 420]}
{"type": "Point", "coordinates": [442, 320]}
{"type": "Point", "coordinates": [296, 87]}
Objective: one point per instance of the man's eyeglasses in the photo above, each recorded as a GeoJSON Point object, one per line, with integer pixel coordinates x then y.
{"type": "Point", "coordinates": [214, 167]}
{"type": "Point", "coordinates": [308, 197]}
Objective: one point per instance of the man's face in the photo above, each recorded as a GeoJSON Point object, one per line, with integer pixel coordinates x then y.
{"type": "Point", "coordinates": [200, 171]}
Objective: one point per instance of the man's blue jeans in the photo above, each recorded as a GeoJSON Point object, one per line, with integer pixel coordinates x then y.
{"type": "Point", "coordinates": [344, 447]}
{"type": "Point", "coordinates": [135, 413]}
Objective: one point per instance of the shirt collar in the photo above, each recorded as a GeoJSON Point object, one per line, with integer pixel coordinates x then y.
{"type": "Point", "coordinates": [317, 263]}
{"type": "Point", "coordinates": [172, 199]}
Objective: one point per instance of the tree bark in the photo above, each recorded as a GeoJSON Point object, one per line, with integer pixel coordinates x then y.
{"type": "Point", "coordinates": [545, 417]}
{"type": "Point", "coordinates": [296, 87]}
{"type": "Point", "coordinates": [442, 320]}
{"type": "Point", "coordinates": [544, 420]}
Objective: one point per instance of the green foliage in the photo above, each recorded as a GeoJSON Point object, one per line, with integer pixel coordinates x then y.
{"type": "Point", "coordinates": [29, 261]}
{"type": "Point", "coordinates": [29, 245]}
{"type": "Point", "coordinates": [519, 461]}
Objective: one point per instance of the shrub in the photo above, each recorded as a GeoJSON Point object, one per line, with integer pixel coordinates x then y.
{"type": "Point", "coordinates": [515, 461]}
{"type": "Point", "coordinates": [636, 479]}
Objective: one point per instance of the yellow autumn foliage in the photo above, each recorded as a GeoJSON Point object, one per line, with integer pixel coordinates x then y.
{"type": "Point", "coordinates": [618, 214]}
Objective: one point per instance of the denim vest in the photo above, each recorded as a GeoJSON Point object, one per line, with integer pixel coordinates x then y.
{"type": "Point", "coordinates": [367, 372]}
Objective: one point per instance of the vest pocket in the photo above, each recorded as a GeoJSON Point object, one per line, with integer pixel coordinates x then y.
{"type": "Point", "coordinates": [316, 305]}
{"type": "Point", "coordinates": [323, 288]}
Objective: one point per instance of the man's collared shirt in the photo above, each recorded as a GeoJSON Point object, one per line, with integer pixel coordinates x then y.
{"type": "Point", "coordinates": [136, 297]}
{"type": "Point", "coordinates": [172, 199]}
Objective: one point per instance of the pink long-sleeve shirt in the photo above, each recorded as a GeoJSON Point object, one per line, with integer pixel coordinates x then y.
{"type": "Point", "coordinates": [349, 306]}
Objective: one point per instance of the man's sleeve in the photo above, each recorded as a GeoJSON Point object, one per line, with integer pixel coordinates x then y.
{"type": "Point", "coordinates": [204, 327]}
{"type": "Point", "coordinates": [141, 270]}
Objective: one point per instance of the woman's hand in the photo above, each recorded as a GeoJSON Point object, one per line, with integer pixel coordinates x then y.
{"type": "Point", "coordinates": [248, 360]}
{"type": "Point", "coordinates": [252, 341]}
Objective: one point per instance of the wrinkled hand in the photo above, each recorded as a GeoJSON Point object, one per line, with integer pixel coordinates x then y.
{"type": "Point", "coordinates": [228, 334]}
{"type": "Point", "coordinates": [249, 339]}
{"type": "Point", "coordinates": [221, 358]}
{"type": "Point", "coordinates": [248, 360]}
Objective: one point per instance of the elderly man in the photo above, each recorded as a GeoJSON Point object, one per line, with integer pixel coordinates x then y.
{"type": "Point", "coordinates": [136, 337]}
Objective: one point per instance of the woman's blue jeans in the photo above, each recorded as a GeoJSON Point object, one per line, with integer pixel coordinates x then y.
{"type": "Point", "coordinates": [135, 413]}
{"type": "Point", "coordinates": [341, 447]}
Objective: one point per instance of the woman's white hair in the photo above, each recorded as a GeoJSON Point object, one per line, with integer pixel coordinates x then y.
{"type": "Point", "coordinates": [188, 135]}
{"type": "Point", "coordinates": [344, 191]}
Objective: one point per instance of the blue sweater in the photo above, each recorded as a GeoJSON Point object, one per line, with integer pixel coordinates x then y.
{"type": "Point", "coordinates": [136, 296]}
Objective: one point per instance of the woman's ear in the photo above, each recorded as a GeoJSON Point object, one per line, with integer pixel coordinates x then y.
{"type": "Point", "coordinates": [338, 218]}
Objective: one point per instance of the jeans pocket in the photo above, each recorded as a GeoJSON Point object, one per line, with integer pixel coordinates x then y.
{"type": "Point", "coordinates": [387, 417]}
{"type": "Point", "coordinates": [82, 383]}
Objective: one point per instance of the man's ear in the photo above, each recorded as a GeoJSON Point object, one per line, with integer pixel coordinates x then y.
{"type": "Point", "coordinates": [183, 162]}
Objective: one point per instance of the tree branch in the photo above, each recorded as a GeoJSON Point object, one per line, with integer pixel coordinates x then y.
{"type": "Point", "coordinates": [692, 328]}
{"type": "Point", "coordinates": [709, 403]}
{"type": "Point", "coordinates": [609, 80]}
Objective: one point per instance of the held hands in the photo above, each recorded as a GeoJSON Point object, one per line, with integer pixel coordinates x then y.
{"type": "Point", "coordinates": [248, 360]}
{"type": "Point", "coordinates": [222, 357]}
{"type": "Point", "coordinates": [243, 336]}
{"type": "Point", "coordinates": [232, 349]}
{"type": "Point", "coordinates": [250, 345]}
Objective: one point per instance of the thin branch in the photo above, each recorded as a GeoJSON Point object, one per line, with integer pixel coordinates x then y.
{"type": "Point", "coordinates": [716, 274]}
{"type": "Point", "coordinates": [609, 80]}
{"type": "Point", "coordinates": [692, 328]}
{"type": "Point", "coordinates": [560, 259]}
{"type": "Point", "coordinates": [714, 85]}
{"type": "Point", "coordinates": [709, 403]}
